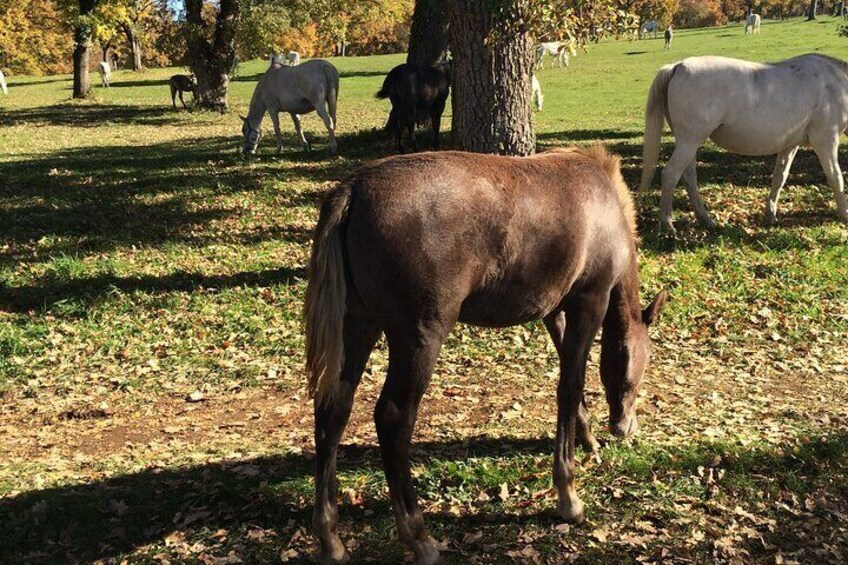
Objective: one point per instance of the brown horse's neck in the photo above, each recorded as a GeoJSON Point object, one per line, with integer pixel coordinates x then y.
{"type": "Point", "coordinates": [624, 307]}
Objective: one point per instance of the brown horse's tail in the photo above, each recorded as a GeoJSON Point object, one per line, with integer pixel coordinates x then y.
{"type": "Point", "coordinates": [656, 112]}
{"type": "Point", "coordinates": [326, 296]}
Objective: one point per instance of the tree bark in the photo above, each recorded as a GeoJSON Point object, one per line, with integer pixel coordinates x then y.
{"type": "Point", "coordinates": [212, 53]}
{"type": "Point", "coordinates": [135, 47]}
{"type": "Point", "coordinates": [811, 12]}
{"type": "Point", "coordinates": [491, 82]}
{"type": "Point", "coordinates": [428, 36]}
{"type": "Point", "coordinates": [82, 50]}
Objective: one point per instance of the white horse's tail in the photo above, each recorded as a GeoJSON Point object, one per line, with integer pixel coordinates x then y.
{"type": "Point", "coordinates": [656, 113]}
{"type": "Point", "coordinates": [331, 76]}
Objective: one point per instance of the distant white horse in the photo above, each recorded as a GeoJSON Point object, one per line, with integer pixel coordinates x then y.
{"type": "Point", "coordinates": [293, 58]}
{"type": "Point", "coordinates": [749, 109]}
{"type": "Point", "coordinates": [651, 27]}
{"type": "Point", "coordinates": [3, 86]}
{"type": "Point", "coordinates": [105, 73]}
{"type": "Point", "coordinates": [556, 49]}
{"type": "Point", "coordinates": [752, 24]}
{"type": "Point", "coordinates": [536, 93]}
{"type": "Point", "coordinates": [314, 85]}
{"type": "Point", "coordinates": [278, 59]}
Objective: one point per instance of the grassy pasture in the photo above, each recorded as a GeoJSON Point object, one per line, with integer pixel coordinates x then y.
{"type": "Point", "coordinates": [152, 407]}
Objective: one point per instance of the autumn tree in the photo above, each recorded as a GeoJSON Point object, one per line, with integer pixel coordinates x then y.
{"type": "Point", "coordinates": [212, 49]}
{"type": "Point", "coordinates": [81, 19]}
{"type": "Point", "coordinates": [661, 11]}
{"type": "Point", "coordinates": [492, 46]}
{"type": "Point", "coordinates": [34, 37]}
{"type": "Point", "coordinates": [262, 25]}
{"type": "Point", "coordinates": [811, 11]}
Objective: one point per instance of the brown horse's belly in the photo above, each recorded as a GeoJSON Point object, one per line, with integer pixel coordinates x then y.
{"type": "Point", "coordinates": [508, 308]}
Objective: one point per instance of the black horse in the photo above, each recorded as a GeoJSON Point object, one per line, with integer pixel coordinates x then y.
{"type": "Point", "coordinates": [418, 95]}
{"type": "Point", "coordinates": [180, 84]}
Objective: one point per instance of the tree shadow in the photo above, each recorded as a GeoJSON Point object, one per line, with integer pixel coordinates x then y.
{"type": "Point", "coordinates": [50, 291]}
{"type": "Point", "coordinates": [135, 83]}
{"type": "Point", "coordinates": [88, 116]}
{"type": "Point", "coordinates": [105, 519]}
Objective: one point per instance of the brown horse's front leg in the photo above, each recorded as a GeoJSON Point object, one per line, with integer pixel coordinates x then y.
{"type": "Point", "coordinates": [555, 324]}
{"type": "Point", "coordinates": [411, 361]}
{"type": "Point", "coordinates": [584, 315]}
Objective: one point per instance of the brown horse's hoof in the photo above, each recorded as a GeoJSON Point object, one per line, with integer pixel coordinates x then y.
{"type": "Point", "coordinates": [573, 512]}
{"type": "Point", "coordinates": [333, 552]}
{"type": "Point", "coordinates": [426, 552]}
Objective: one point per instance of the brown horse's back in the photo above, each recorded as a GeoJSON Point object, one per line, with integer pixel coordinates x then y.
{"type": "Point", "coordinates": [489, 240]}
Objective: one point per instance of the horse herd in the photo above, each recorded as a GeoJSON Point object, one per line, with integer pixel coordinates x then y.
{"type": "Point", "coordinates": [407, 246]}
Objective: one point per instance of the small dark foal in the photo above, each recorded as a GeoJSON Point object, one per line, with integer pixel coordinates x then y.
{"type": "Point", "coordinates": [180, 84]}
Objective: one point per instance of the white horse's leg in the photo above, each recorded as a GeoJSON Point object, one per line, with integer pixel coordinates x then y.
{"type": "Point", "coordinates": [328, 121]}
{"type": "Point", "coordinates": [684, 153]}
{"type": "Point", "coordinates": [827, 148]}
{"type": "Point", "coordinates": [778, 178]}
{"type": "Point", "coordinates": [275, 119]}
{"type": "Point", "coordinates": [298, 128]}
{"type": "Point", "coordinates": [690, 176]}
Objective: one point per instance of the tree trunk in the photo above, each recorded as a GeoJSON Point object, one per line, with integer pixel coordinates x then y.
{"type": "Point", "coordinates": [212, 60]}
{"type": "Point", "coordinates": [428, 36]}
{"type": "Point", "coordinates": [82, 49]}
{"type": "Point", "coordinates": [811, 12]}
{"type": "Point", "coordinates": [491, 82]}
{"type": "Point", "coordinates": [135, 47]}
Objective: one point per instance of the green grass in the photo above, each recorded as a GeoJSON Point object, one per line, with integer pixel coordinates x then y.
{"type": "Point", "coordinates": [142, 259]}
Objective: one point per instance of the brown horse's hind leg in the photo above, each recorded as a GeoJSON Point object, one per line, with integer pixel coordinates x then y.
{"type": "Point", "coordinates": [556, 327]}
{"type": "Point", "coordinates": [584, 314]}
{"type": "Point", "coordinates": [360, 335]}
{"type": "Point", "coordinates": [412, 356]}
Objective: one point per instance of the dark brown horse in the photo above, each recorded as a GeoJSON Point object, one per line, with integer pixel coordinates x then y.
{"type": "Point", "coordinates": [418, 96]}
{"type": "Point", "coordinates": [410, 245]}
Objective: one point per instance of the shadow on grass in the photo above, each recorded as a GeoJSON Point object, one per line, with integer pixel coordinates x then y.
{"type": "Point", "coordinates": [50, 292]}
{"type": "Point", "coordinates": [96, 198]}
{"type": "Point", "coordinates": [108, 518]}
{"type": "Point", "coordinates": [88, 116]}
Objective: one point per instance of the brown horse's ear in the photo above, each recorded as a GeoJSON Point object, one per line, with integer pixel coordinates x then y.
{"type": "Point", "coordinates": [242, 118]}
{"type": "Point", "coordinates": [652, 312]}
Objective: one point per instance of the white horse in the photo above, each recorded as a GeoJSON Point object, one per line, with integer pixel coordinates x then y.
{"type": "Point", "coordinates": [314, 85]}
{"type": "Point", "coordinates": [3, 86]}
{"type": "Point", "coordinates": [749, 109]}
{"type": "Point", "coordinates": [293, 58]}
{"type": "Point", "coordinates": [105, 73]}
{"type": "Point", "coordinates": [651, 27]}
{"type": "Point", "coordinates": [536, 93]}
{"type": "Point", "coordinates": [556, 49]}
{"type": "Point", "coordinates": [752, 24]}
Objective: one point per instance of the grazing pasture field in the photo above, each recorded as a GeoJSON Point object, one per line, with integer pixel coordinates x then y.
{"type": "Point", "coordinates": [152, 399]}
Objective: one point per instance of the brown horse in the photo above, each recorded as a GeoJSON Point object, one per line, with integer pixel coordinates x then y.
{"type": "Point", "coordinates": [410, 245]}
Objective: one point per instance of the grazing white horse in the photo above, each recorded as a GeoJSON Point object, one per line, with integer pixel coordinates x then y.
{"type": "Point", "coordinates": [3, 86]}
{"type": "Point", "coordinates": [651, 27]}
{"type": "Point", "coordinates": [536, 93]}
{"type": "Point", "coordinates": [749, 109]}
{"type": "Point", "coordinates": [105, 73]}
{"type": "Point", "coordinates": [314, 85]}
{"type": "Point", "coordinates": [752, 24]}
{"type": "Point", "coordinates": [293, 58]}
{"type": "Point", "coordinates": [556, 49]}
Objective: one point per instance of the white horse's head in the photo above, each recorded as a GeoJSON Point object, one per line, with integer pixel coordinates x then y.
{"type": "Point", "coordinates": [251, 137]}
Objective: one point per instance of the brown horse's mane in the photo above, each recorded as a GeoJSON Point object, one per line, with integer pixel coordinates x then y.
{"type": "Point", "coordinates": [611, 164]}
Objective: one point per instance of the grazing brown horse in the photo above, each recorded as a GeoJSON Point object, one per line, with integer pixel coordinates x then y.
{"type": "Point", "coordinates": [410, 245]}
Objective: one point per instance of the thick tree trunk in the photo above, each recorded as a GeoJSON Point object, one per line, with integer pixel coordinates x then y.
{"type": "Point", "coordinates": [211, 61]}
{"type": "Point", "coordinates": [428, 37]}
{"type": "Point", "coordinates": [491, 82]}
{"type": "Point", "coordinates": [82, 50]}
{"type": "Point", "coordinates": [135, 47]}
{"type": "Point", "coordinates": [811, 11]}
